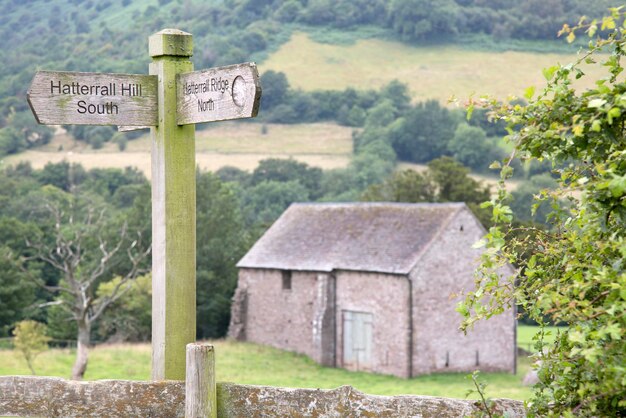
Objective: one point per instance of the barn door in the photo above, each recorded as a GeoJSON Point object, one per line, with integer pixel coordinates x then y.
{"type": "Point", "coordinates": [357, 340]}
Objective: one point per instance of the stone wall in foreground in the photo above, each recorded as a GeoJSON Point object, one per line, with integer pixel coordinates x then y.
{"type": "Point", "coordinates": [53, 397]}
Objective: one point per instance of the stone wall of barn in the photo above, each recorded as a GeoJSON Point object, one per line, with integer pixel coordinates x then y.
{"type": "Point", "coordinates": [446, 270]}
{"type": "Point", "coordinates": [386, 298]}
{"type": "Point", "coordinates": [298, 317]}
{"type": "Point", "coordinates": [308, 318]}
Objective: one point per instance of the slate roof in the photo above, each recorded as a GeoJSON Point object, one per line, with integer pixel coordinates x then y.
{"type": "Point", "coordinates": [375, 237]}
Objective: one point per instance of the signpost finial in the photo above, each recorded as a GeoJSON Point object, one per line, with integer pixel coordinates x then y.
{"type": "Point", "coordinates": [171, 42]}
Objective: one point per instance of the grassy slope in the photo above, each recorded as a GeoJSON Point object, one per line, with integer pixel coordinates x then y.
{"type": "Point", "coordinates": [251, 364]}
{"type": "Point", "coordinates": [242, 145]}
{"type": "Point", "coordinates": [432, 72]}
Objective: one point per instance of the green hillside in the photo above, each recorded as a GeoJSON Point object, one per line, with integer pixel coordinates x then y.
{"type": "Point", "coordinates": [431, 72]}
{"type": "Point", "coordinates": [408, 40]}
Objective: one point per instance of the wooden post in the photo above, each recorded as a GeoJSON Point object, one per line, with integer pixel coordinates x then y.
{"type": "Point", "coordinates": [200, 394]}
{"type": "Point", "coordinates": [173, 212]}
{"type": "Point", "coordinates": [171, 95]}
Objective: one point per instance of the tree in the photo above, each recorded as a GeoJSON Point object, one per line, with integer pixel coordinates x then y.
{"type": "Point", "coordinates": [63, 175]}
{"type": "Point", "coordinates": [576, 273]}
{"type": "Point", "coordinates": [222, 240]}
{"type": "Point", "coordinates": [288, 11]}
{"type": "Point", "coordinates": [339, 185]}
{"type": "Point", "coordinates": [423, 133]}
{"type": "Point", "coordinates": [402, 186]}
{"type": "Point", "coordinates": [381, 115]}
{"type": "Point", "coordinates": [229, 173]}
{"type": "Point", "coordinates": [423, 19]}
{"type": "Point", "coordinates": [275, 89]}
{"type": "Point", "coordinates": [399, 94]}
{"type": "Point", "coordinates": [454, 184]}
{"type": "Point", "coordinates": [82, 248]}
{"type": "Point", "coordinates": [445, 180]}
{"type": "Point", "coordinates": [277, 169]}
{"type": "Point", "coordinates": [17, 294]}
{"type": "Point", "coordinates": [264, 202]}
{"type": "Point", "coordinates": [470, 147]}
{"type": "Point", "coordinates": [523, 203]}
{"type": "Point", "coordinates": [30, 340]}
{"type": "Point", "coordinates": [10, 141]}
{"type": "Point", "coordinates": [130, 316]}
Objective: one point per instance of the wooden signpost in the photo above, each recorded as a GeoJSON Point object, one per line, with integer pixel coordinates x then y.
{"type": "Point", "coordinates": [222, 93]}
{"type": "Point", "coordinates": [63, 98]}
{"type": "Point", "coordinates": [170, 100]}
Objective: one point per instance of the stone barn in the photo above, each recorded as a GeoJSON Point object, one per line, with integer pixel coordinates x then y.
{"type": "Point", "coordinates": [370, 287]}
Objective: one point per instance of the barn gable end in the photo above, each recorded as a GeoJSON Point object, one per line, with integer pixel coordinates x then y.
{"type": "Point", "coordinates": [443, 273]}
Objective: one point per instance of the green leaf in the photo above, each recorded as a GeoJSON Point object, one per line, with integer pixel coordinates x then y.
{"type": "Point", "coordinates": [596, 125]}
{"type": "Point", "coordinates": [548, 73]}
{"type": "Point", "coordinates": [615, 331]}
{"type": "Point", "coordinates": [596, 103]}
{"type": "Point", "coordinates": [571, 37]}
{"type": "Point", "coordinates": [479, 244]}
{"type": "Point", "coordinates": [576, 337]}
{"type": "Point", "coordinates": [617, 186]}
{"type": "Point", "coordinates": [470, 111]}
{"type": "Point", "coordinates": [578, 130]}
{"type": "Point", "coordinates": [615, 112]}
{"type": "Point", "coordinates": [608, 23]}
{"type": "Point", "coordinates": [507, 171]}
{"type": "Point", "coordinates": [462, 309]}
{"type": "Point", "coordinates": [529, 92]}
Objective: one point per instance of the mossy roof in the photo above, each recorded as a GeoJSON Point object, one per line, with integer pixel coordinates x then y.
{"type": "Point", "coordinates": [375, 237]}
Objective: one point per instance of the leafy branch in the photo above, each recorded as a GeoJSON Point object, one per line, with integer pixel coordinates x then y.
{"type": "Point", "coordinates": [575, 272]}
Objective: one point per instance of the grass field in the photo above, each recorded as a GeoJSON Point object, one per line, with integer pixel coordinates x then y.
{"type": "Point", "coordinates": [248, 363]}
{"type": "Point", "coordinates": [525, 336]}
{"type": "Point", "coordinates": [432, 72]}
{"type": "Point", "coordinates": [243, 145]}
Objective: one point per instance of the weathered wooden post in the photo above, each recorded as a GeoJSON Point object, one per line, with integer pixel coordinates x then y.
{"type": "Point", "coordinates": [173, 212]}
{"type": "Point", "coordinates": [171, 100]}
{"type": "Point", "coordinates": [200, 393]}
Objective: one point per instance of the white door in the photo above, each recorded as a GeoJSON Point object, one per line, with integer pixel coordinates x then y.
{"type": "Point", "coordinates": [357, 340]}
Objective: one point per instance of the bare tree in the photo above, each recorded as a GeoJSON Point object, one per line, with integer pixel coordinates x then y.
{"type": "Point", "coordinates": [84, 257]}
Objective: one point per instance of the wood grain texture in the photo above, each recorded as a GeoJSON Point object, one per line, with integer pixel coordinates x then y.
{"type": "Point", "coordinates": [200, 394]}
{"type": "Point", "coordinates": [222, 93]}
{"type": "Point", "coordinates": [131, 128]}
{"type": "Point", "coordinates": [59, 98]}
{"type": "Point", "coordinates": [171, 42]}
{"type": "Point", "coordinates": [173, 225]}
